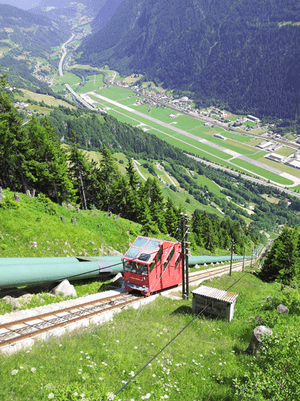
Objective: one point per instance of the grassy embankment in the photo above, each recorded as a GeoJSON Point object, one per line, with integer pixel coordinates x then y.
{"type": "Point", "coordinates": [201, 364]}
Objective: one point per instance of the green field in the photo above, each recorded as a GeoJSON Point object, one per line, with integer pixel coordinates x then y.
{"type": "Point", "coordinates": [258, 155]}
{"type": "Point", "coordinates": [262, 172]}
{"type": "Point", "coordinates": [92, 83]}
{"type": "Point", "coordinates": [236, 142]}
{"type": "Point", "coordinates": [68, 78]}
{"type": "Point", "coordinates": [285, 151]}
{"type": "Point", "coordinates": [283, 167]}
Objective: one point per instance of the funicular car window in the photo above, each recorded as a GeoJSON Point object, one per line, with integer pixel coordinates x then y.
{"type": "Point", "coordinates": [140, 242]}
{"type": "Point", "coordinates": [177, 262]}
{"type": "Point", "coordinates": [130, 267]}
{"type": "Point", "coordinates": [132, 253]}
{"type": "Point", "coordinates": [142, 269]}
{"type": "Point", "coordinates": [152, 245]}
{"type": "Point", "coordinates": [152, 265]}
{"type": "Point", "coordinates": [159, 254]}
{"type": "Point", "coordinates": [169, 259]}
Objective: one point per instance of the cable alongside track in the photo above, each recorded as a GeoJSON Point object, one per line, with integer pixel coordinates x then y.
{"type": "Point", "coordinates": [16, 331]}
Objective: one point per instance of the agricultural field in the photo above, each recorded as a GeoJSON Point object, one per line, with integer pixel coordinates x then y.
{"type": "Point", "coordinates": [47, 99]}
{"type": "Point", "coordinates": [158, 122]}
{"type": "Point", "coordinates": [92, 83]}
{"type": "Point", "coordinates": [285, 151]}
{"type": "Point", "coordinates": [68, 78]}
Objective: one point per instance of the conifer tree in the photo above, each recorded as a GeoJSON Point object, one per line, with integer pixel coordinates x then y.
{"type": "Point", "coordinates": [46, 162]}
{"type": "Point", "coordinates": [79, 170]}
{"type": "Point", "coordinates": [13, 143]}
{"type": "Point", "coordinates": [283, 261]}
{"type": "Point", "coordinates": [108, 174]}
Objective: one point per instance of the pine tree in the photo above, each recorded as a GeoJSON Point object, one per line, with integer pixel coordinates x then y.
{"type": "Point", "coordinates": [79, 170]}
{"type": "Point", "coordinates": [283, 261]}
{"type": "Point", "coordinates": [46, 162]}
{"type": "Point", "coordinates": [13, 143]}
{"type": "Point", "coordinates": [108, 174]}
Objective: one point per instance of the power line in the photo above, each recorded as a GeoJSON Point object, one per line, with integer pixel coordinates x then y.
{"type": "Point", "coordinates": [159, 352]}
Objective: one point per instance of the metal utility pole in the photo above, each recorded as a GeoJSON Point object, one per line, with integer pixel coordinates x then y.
{"type": "Point", "coordinates": [184, 253]}
{"type": "Point", "coordinates": [232, 244]}
{"type": "Point", "coordinates": [244, 257]}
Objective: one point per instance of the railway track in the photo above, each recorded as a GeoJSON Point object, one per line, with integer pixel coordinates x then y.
{"type": "Point", "coordinates": [16, 331]}
{"type": "Point", "coordinates": [210, 273]}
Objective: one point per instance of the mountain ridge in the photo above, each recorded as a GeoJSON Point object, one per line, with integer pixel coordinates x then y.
{"type": "Point", "coordinates": [228, 53]}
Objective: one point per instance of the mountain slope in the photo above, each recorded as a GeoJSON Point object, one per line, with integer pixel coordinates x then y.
{"type": "Point", "coordinates": [26, 40]}
{"type": "Point", "coordinates": [244, 55]}
{"type": "Point", "coordinates": [27, 32]}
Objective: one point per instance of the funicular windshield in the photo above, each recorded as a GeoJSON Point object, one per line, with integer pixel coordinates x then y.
{"type": "Point", "coordinates": [142, 252]}
{"type": "Point", "coordinates": [138, 268]}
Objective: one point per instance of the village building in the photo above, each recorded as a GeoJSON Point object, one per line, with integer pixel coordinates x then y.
{"type": "Point", "coordinates": [275, 157]}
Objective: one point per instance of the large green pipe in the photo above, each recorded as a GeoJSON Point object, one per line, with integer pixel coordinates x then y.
{"type": "Point", "coordinates": [23, 271]}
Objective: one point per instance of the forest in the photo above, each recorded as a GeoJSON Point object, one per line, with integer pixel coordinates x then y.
{"type": "Point", "coordinates": [234, 54]}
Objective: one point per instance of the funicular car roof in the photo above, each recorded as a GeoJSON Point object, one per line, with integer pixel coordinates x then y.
{"type": "Point", "coordinates": [142, 248]}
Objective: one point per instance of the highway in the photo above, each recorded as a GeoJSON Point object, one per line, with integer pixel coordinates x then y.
{"type": "Point", "coordinates": [64, 53]}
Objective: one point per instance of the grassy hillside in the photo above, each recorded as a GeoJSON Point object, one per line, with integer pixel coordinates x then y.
{"type": "Point", "coordinates": [37, 220]}
{"type": "Point", "coordinates": [206, 362]}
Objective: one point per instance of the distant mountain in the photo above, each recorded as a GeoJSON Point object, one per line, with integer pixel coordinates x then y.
{"type": "Point", "coordinates": [78, 12]}
{"type": "Point", "coordinates": [233, 53]}
{"type": "Point", "coordinates": [24, 38]}
{"type": "Point", "coordinates": [105, 13]}
{"type": "Point", "coordinates": [23, 31]}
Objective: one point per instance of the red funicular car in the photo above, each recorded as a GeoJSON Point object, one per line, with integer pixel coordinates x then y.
{"type": "Point", "coordinates": [151, 265]}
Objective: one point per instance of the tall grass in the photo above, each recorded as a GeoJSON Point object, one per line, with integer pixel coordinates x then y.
{"type": "Point", "coordinates": [95, 362]}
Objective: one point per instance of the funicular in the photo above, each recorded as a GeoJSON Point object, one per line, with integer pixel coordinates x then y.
{"type": "Point", "coordinates": [151, 265]}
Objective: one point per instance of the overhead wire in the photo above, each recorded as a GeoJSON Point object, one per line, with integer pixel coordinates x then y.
{"type": "Point", "coordinates": [162, 349]}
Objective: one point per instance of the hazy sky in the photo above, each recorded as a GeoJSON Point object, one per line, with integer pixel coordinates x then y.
{"type": "Point", "coordinates": [23, 4]}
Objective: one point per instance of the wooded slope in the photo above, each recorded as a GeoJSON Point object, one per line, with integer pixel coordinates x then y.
{"type": "Point", "coordinates": [234, 53]}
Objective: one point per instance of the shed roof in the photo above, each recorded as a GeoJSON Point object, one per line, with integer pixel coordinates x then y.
{"type": "Point", "coordinates": [214, 293]}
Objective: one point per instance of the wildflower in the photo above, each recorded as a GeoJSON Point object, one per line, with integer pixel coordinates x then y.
{"type": "Point", "coordinates": [110, 396]}
{"type": "Point", "coordinates": [60, 345]}
{"type": "Point", "coordinates": [82, 395]}
{"type": "Point", "coordinates": [33, 369]}
{"type": "Point", "coordinates": [220, 364]}
{"type": "Point", "coordinates": [131, 373]}
{"type": "Point", "coordinates": [135, 347]}
{"type": "Point", "coordinates": [100, 378]}
{"type": "Point", "coordinates": [75, 393]}
{"type": "Point", "coordinates": [14, 372]}
{"type": "Point", "coordinates": [154, 375]}
{"type": "Point", "coordinates": [21, 367]}
{"type": "Point", "coordinates": [117, 341]}
{"type": "Point", "coordinates": [83, 377]}
{"type": "Point", "coordinates": [51, 395]}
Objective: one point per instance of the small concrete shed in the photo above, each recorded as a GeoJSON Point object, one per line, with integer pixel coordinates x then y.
{"type": "Point", "coordinates": [217, 302]}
